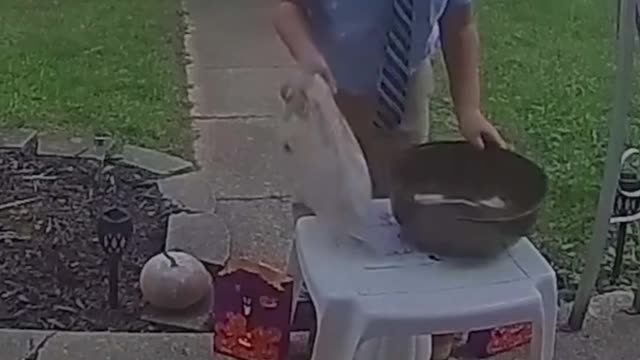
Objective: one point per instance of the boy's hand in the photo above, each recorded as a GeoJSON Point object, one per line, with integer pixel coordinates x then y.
{"type": "Point", "coordinates": [292, 26]}
{"type": "Point", "coordinates": [478, 130]}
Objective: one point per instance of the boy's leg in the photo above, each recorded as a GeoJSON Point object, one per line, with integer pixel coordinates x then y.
{"type": "Point", "coordinates": [417, 125]}
{"type": "Point", "coordinates": [418, 120]}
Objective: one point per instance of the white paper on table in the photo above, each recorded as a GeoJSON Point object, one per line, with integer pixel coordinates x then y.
{"type": "Point", "coordinates": [382, 233]}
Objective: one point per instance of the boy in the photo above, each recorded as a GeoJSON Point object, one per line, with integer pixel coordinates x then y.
{"type": "Point", "coordinates": [375, 55]}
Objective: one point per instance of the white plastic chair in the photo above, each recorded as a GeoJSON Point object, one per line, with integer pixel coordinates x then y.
{"type": "Point", "coordinates": [392, 302]}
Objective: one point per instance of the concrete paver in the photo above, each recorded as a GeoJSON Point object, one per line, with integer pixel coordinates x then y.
{"type": "Point", "coordinates": [16, 138]}
{"type": "Point", "coordinates": [608, 333]}
{"type": "Point", "coordinates": [260, 229]}
{"type": "Point", "coordinates": [240, 157]}
{"type": "Point", "coordinates": [234, 34]}
{"type": "Point", "coordinates": [205, 236]}
{"type": "Point", "coordinates": [17, 344]}
{"type": "Point", "coordinates": [192, 191]}
{"type": "Point", "coordinates": [70, 146]}
{"type": "Point", "coordinates": [237, 61]}
{"type": "Point", "coordinates": [154, 161]}
{"type": "Point", "coordinates": [106, 346]}
{"type": "Point", "coordinates": [196, 318]}
{"type": "Point", "coordinates": [618, 339]}
{"type": "Point", "coordinates": [237, 92]}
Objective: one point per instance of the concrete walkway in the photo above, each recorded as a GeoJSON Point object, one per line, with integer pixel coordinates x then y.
{"type": "Point", "coordinates": [237, 67]}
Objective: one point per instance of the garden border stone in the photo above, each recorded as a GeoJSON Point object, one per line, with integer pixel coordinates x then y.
{"type": "Point", "coordinates": [154, 161]}
{"type": "Point", "coordinates": [16, 139]}
{"type": "Point", "coordinates": [56, 144]}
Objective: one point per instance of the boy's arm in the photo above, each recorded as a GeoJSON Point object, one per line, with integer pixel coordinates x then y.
{"type": "Point", "coordinates": [292, 25]}
{"type": "Point", "coordinates": [461, 51]}
{"type": "Point", "coordinates": [290, 22]}
{"type": "Point", "coordinates": [460, 46]}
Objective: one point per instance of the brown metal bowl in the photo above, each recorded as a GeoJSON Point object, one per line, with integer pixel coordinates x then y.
{"type": "Point", "coordinates": [456, 170]}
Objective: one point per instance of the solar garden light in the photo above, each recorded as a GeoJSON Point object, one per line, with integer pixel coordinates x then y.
{"type": "Point", "coordinates": [115, 228]}
{"type": "Point", "coordinates": [626, 210]}
{"type": "Point", "coordinates": [101, 143]}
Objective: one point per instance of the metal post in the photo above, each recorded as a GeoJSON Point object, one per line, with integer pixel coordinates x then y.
{"type": "Point", "coordinates": [621, 239]}
{"type": "Point", "coordinates": [635, 307]}
{"type": "Point", "coordinates": [618, 17]}
{"type": "Point", "coordinates": [619, 125]}
{"type": "Point", "coordinates": [114, 269]}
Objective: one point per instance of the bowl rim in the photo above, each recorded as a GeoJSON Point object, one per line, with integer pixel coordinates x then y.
{"type": "Point", "coordinates": [501, 219]}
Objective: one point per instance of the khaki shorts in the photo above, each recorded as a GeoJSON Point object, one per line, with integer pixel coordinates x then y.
{"type": "Point", "coordinates": [380, 145]}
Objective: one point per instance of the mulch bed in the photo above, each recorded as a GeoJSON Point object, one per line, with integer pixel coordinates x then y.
{"type": "Point", "coordinates": [53, 272]}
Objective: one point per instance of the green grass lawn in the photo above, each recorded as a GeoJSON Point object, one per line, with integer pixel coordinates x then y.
{"type": "Point", "coordinates": [92, 65]}
{"type": "Point", "coordinates": [548, 83]}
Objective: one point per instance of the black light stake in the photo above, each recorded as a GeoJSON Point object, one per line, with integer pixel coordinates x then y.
{"type": "Point", "coordinates": [115, 228]}
{"type": "Point", "coordinates": [624, 206]}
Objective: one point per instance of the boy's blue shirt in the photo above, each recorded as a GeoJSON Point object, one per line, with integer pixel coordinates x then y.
{"type": "Point", "coordinates": [351, 35]}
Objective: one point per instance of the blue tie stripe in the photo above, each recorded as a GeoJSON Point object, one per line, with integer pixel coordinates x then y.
{"type": "Point", "coordinates": [398, 73]}
{"type": "Point", "coordinates": [394, 73]}
{"type": "Point", "coordinates": [395, 77]}
{"type": "Point", "coordinates": [392, 95]}
{"type": "Point", "coordinates": [398, 45]}
{"type": "Point", "coordinates": [403, 19]}
{"type": "Point", "coordinates": [394, 55]}
{"type": "Point", "coordinates": [389, 115]}
{"type": "Point", "coordinates": [394, 82]}
{"type": "Point", "coordinates": [392, 99]}
{"type": "Point", "coordinates": [406, 6]}
{"type": "Point", "coordinates": [397, 66]}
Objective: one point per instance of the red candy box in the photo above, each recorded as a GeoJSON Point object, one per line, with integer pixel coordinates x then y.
{"type": "Point", "coordinates": [252, 311]}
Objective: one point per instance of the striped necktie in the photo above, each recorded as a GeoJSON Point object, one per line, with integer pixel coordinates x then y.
{"type": "Point", "coordinates": [394, 73]}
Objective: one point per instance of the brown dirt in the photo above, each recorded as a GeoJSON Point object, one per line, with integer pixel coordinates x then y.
{"type": "Point", "coordinates": [53, 273]}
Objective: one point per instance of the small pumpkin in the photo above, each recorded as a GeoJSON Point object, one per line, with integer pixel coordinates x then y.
{"type": "Point", "coordinates": [174, 280]}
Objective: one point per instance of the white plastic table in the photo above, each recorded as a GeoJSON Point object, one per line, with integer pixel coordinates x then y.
{"type": "Point", "coordinates": [362, 295]}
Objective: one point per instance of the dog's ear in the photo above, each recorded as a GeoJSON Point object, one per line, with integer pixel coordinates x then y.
{"type": "Point", "coordinates": [286, 92]}
{"type": "Point", "coordinates": [293, 94]}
